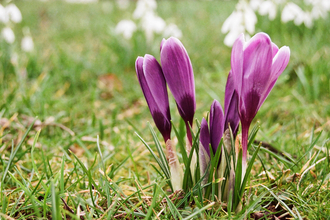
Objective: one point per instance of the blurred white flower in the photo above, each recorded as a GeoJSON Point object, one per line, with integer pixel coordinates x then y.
{"type": "Point", "coordinates": [151, 24]}
{"type": "Point", "coordinates": [8, 34]}
{"type": "Point", "coordinates": [293, 12]}
{"type": "Point", "coordinates": [290, 12]}
{"type": "Point", "coordinates": [148, 21]}
{"type": "Point", "coordinates": [81, 1]}
{"type": "Point", "coordinates": [242, 20]}
{"type": "Point", "coordinates": [27, 44]}
{"type": "Point", "coordinates": [172, 30]}
{"type": "Point", "coordinates": [320, 8]}
{"type": "Point", "coordinates": [14, 13]}
{"type": "Point", "coordinates": [268, 8]}
{"type": "Point", "coordinates": [123, 4]}
{"type": "Point", "coordinates": [126, 28]}
{"type": "Point", "coordinates": [3, 15]}
{"type": "Point", "coordinates": [254, 4]}
{"type": "Point", "coordinates": [144, 6]}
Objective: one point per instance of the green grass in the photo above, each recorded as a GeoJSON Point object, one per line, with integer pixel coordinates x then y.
{"type": "Point", "coordinates": [87, 159]}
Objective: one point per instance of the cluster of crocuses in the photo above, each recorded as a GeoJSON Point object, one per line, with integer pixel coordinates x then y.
{"type": "Point", "coordinates": [255, 67]}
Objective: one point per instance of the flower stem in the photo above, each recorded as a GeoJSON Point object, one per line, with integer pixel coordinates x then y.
{"type": "Point", "coordinates": [245, 136]}
{"type": "Point", "coordinates": [189, 136]}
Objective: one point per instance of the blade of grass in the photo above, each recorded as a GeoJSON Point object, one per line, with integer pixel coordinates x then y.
{"type": "Point", "coordinates": [14, 152]}
{"type": "Point", "coordinates": [199, 211]}
{"type": "Point", "coordinates": [280, 201]}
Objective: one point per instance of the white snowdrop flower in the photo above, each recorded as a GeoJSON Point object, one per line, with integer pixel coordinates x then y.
{"type": "Point", "coordinates": [250, 19]}
{"type": "Point", "coordinates": [268, 8]}
{"type": "Point", "coordinates": [126, 28]}
{"type": "Point", "coordinates": [14, 13]}
{"type": "Point", "coordinates": [8, 35]}
{"type": "Point", "coordinates": [293, 12]}
{"type": "Point", "coordinates": [144, 6]}
{"type": "Point", "coordinates": [232, 36]}
{"type": "Point", "coordinates": [81, 1]}
{"type": "Point", "coordinates": [3, 15]}
{"type": "Point", "coordinates": [152, 23]}
{"type": "Point", "coordinates": [254, 4]}
{"type": "Point", "coordinates": [233, 25]}
{"type": "Point", "coordinates": [123, 4]}
{"type": "Point", "coordinates": [279, 2]}
{"type": "Point", "coordinates": [318, 12]}
{"type": "Point", "coordinates": [320, 8]}
{"type": "Point", "coordinates": [308, 20]}
{"type": "Point", "coordinates": [242, 20]}
{"type": "Point", "coordinates": [325, 4]}
{"type": "Point", "coordinates": [27, 44]}
{"type": "Point", "coordinates": [233, 19]}
{"type": "Point", "coordinates": [172, 30]}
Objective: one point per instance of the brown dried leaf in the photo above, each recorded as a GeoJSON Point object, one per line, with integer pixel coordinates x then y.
{"type": "Point", "coordinates": [108, 83]}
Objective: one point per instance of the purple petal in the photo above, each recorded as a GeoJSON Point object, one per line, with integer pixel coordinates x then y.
{"type": "Point", "coordinates": [237, 62]}
{"type": "Point", "coordinates": [275, 49]}
{"type": "Point", "coordinates": [256, 74]}
{"type": "Point", "coordinates": [252, 98]}
{"type": "Point", "coordinates": [280, 62]}
{"type": "Point", "coordinates": [216, 124]}
{"type": "Point", "coordinates": [204, 136]}
{"type": "Point", "coordinates": [231, 106]}
{"type": "Point", "coordinates": [162, 43]}
{"type": "Point", "coordinates": [179, 76]}
{"type": "Point", "coordinates": [159, 114]}
{"type": "Point", "coordinates": [156, 83]}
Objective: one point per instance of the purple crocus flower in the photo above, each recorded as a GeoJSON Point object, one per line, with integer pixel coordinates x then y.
{"type": "Point", "coordinates": [153, 85]}
{"type": "Point", "coordinates": [231, 106]}
{"type": "Point", "coordinates": [179, 76]}
{"type": "Point", "coordinates": [216, 125]}
{"type": "Point", "coordinates": [204, 148]}
{"type": "Point", "coordinates": [255, 66]}
{"type": "Point", "coordinates": [204, 136]}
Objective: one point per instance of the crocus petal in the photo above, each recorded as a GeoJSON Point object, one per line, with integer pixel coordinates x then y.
{"type": "Point", "coordinates": [275, 49]}
{"type": "Point", "coordinates": [204, 136]}
{"type": "Point", "coordinates": [159, 113]}
{"type": "Point", "coordinates": [161, 44]}
{"type": "Point", "coordinates": [257, 62]}
{"type": "Point", "coordinates": [204, 160]}
{"type": "Point", "coordinates": [237, 62]}
{"type": "Point", "coordinates": [156, 83]}
{"type": "Point", "coordinates": [256, 74]}
{"type": "Point", "coordinates": [231, 106]}
{"type": "Point", "coordinates": [179, 76]}
{"type": "Point", "coordinates": [216, 125]}
{"type": "Point", "coordinates": [280, 62]}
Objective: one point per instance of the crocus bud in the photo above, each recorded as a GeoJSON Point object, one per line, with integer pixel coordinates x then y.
{"type": "Point", "coordinates": [231, 106]}
{"type": "Point", "coordinates": [179, 76]}
{"type": "Point", "coordinates": [216, 125]}
{"type": "Point", "coordinates": [153, 85]}
{"type": "Point", "coordinates": [204, 148]}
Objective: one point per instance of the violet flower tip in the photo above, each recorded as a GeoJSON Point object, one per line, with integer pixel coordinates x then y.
{"type": "Point", "coordinates": [161, 44]}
